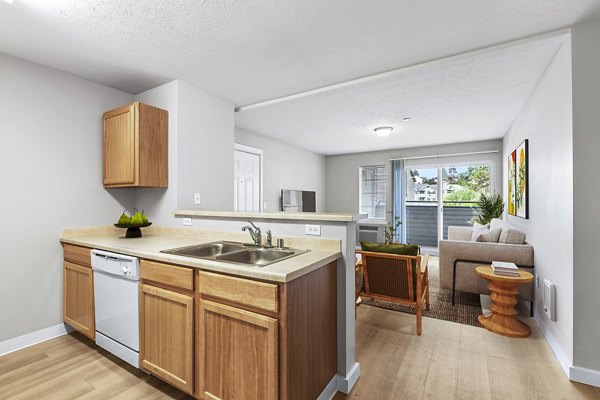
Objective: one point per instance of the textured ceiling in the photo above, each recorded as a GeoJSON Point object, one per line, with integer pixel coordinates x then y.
{"type": "Point", "coordinates": [462, 99]}
{"type": "Point", "coordinates": [254, 50]}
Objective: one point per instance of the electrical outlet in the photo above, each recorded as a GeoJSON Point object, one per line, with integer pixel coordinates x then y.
{"type": "Point", "coordinates": [537, 281]}
{"type": "Point", "coordinates": [314, 230]}
{"type": "Point", "coordinates": [197, 199]}
{"type": "Point", "coordinates": [187, 221]}
{"type": "Point", "coordinates": [264, 205]}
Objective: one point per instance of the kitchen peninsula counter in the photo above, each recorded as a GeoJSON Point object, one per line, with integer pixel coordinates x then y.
{"type": "Point", "coordinates": [156, 238]}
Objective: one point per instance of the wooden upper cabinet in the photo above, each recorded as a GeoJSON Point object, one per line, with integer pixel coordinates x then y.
{"type": "Point", "coordinates": [136, 146]}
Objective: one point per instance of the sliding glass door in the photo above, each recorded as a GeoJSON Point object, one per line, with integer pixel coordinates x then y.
{"type": "Point", "coordinates": [462, 186]}
{"type": "Point", "coordinates": [421, 215]}
{"type": "Point", "coordinates": [437, 197]}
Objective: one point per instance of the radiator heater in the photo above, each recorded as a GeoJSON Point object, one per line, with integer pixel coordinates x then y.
{"type": "Point", "coordinates": [371, 232]}
{"type": "Point", "coordinates": [550, 300]}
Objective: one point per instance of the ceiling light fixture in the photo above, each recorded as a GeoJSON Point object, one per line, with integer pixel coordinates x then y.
{"type": "Point", "coordinates": [383, 130]}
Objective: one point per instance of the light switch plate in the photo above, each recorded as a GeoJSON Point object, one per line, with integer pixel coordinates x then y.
{"type": "Point", "coordinates": [187, 221]}
{"type": "Point", "coordinates": [197, 198]}
{"type": "Point", "coordinates": [314, 230]}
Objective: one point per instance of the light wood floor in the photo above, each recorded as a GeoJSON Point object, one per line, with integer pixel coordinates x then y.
{"type": "Point", "coordinates": [73, 367]}
{"type": "Point", "coordinates": [453, 361]}
{"type": "Point", "coordinates": [449, 361]}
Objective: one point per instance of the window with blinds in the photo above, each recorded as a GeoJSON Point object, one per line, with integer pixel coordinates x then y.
{"type": "Point", "coordinates": [372, 194]}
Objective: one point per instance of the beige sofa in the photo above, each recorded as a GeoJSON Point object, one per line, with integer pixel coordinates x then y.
{"type": "Point", "coordinates": [460, 255]}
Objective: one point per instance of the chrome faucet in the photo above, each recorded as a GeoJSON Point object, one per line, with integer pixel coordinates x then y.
{"type": "Point", "coordinates": [255, 233]}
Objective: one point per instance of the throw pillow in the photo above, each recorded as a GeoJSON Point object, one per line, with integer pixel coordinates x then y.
{"type": "Point", "coordinates": [404, 249]}
{"type": "Point", "coordinates": [478, 228]}
{"type": "Point", "coordinates": [512, 236]}
{"type": "Point", "coordinates": [488, 235]}
{"type": "Point", "coordinates": [496, 223]}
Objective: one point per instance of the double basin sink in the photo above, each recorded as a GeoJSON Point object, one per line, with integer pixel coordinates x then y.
{"type": "Point", "coordinates": [237, 253]}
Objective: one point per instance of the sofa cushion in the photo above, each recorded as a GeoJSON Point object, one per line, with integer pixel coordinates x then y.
{"type": "Point", "coordinates": [478, 228]}
{"type": "Point", "coordinates": [488, 235]}
{"type": "Point", "coordinates": [496, 223]}
{"type": "Point", "coordinates": [510, 234]}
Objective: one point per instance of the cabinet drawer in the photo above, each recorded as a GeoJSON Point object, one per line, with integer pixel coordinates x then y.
{"type": "Point", "coordinates": [77, 254]}
{"type": "Point", "coordinates": [168, 274]}
{"type": "Point", "coordinates": [255, 294]}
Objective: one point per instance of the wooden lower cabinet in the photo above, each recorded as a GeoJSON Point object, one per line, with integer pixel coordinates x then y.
{"type": "Point", "coordinates": [237, 354]}
{"type": "Point", "coordinates": [78, 298]}
{"type": "Point", "coordinates": [167, 336]}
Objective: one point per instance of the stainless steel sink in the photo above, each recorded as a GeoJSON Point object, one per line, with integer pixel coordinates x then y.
{"type": "Point", "coordinates": [236, 253]}
{"type": "Point", "coordinates": [258, 257]}
{"type": "Point", "coordinates": [206, 250]}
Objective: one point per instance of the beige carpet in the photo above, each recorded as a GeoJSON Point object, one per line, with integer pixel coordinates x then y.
{"type": "Point", "coordinates": [465, 311]}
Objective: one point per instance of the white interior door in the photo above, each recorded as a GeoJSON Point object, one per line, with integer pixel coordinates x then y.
{"type": "Point", "coordinates": [246, 181]}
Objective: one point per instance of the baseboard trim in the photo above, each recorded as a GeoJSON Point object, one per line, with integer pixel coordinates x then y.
{"type": "Point", "coordinates": [346, 383]}
{"type": "Point", "coordinates": [585, 375]}
{"type": "Point", "coordinates": [564, 361]}
{"type": "Point", "coordinates": [29, 339]}
{"type": "Point", "coordinates": [330, 390]}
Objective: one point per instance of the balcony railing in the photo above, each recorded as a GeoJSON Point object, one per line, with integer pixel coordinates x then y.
{"type": "Point", "coordinates": [421, 219]}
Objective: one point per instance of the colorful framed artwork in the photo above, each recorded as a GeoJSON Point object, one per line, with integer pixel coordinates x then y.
{"type": "Point", "coordinates": [522, 180]}
{"type": "Point", "coordinates": [512, 171]}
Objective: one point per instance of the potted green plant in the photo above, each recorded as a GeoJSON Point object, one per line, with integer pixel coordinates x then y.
{"type": "Point", "coordinates": [490, 206]}
{"type": "Point", "coordinates": [392, 229]}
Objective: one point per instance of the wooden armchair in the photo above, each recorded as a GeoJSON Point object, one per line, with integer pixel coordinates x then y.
{"type": "Point", "coordinates": [398, 279]}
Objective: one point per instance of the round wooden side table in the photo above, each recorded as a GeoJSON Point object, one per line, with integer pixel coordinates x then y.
{"type": "Point", "coordinates": [504, 298]}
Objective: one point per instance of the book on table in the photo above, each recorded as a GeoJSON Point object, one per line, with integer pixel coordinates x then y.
{"type": "Point", "coordinates": [505, 268]}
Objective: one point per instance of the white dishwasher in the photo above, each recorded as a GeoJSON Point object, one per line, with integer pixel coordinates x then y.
{"type": "Point", "coordinates": [116, 303]}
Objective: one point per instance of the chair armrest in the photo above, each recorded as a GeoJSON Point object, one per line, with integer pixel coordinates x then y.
{"type": "Point", "coordinates": [424, 262]}
{"type": "Point", "coordinates": [460, 232]}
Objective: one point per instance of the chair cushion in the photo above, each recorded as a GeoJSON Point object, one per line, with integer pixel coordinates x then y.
{"type": "Point", "coordinates": [403, 249]}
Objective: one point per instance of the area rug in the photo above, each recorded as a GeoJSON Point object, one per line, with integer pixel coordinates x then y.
{"type": "Point", "coordinates": [465, 311]}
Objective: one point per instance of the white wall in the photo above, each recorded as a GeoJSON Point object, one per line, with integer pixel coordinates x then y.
{"type": "Point", "coordinates": [546, 120]}
{"type": "Point", "coordinates": [200, 152]}
{"type": "Point", "coordinates": [586, 190]}
{"type": "Point", "coordinates": [286, 167]}
{"type": "Point", "coordinates": [205, 132]}
{"type": "Point", "coordinates": [51, 163]}
{"type": "Point", "coordinates": [158, 203]}
{"type": "Point", "coordinates": [343, 170]}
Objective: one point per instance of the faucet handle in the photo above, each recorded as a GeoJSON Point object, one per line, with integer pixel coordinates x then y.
{"type": "Point", "coordinates": [269, 239]}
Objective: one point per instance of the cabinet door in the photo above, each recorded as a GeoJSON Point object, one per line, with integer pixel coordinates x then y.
{"type": "Point", "coordinates": [120, 156]}
{"type": "Point", "coordinates": [166, 347]}
{"type": "Point", "coordinates": [78, 307]}
{"type": "Point", "coordinates": [238, 354]}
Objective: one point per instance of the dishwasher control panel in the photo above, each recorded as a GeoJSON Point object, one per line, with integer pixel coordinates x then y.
{"type": "Point", "coordinates": [116, 264]}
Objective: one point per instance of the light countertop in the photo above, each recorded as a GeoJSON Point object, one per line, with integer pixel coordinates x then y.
{"type": "Point", "coordinates": [155, 239]}
{"type": "Point", "coordinates": [306, 216]}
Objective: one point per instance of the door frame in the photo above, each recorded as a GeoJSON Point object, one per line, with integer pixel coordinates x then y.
{"type": "Point", "coordinates": [259, 153]}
